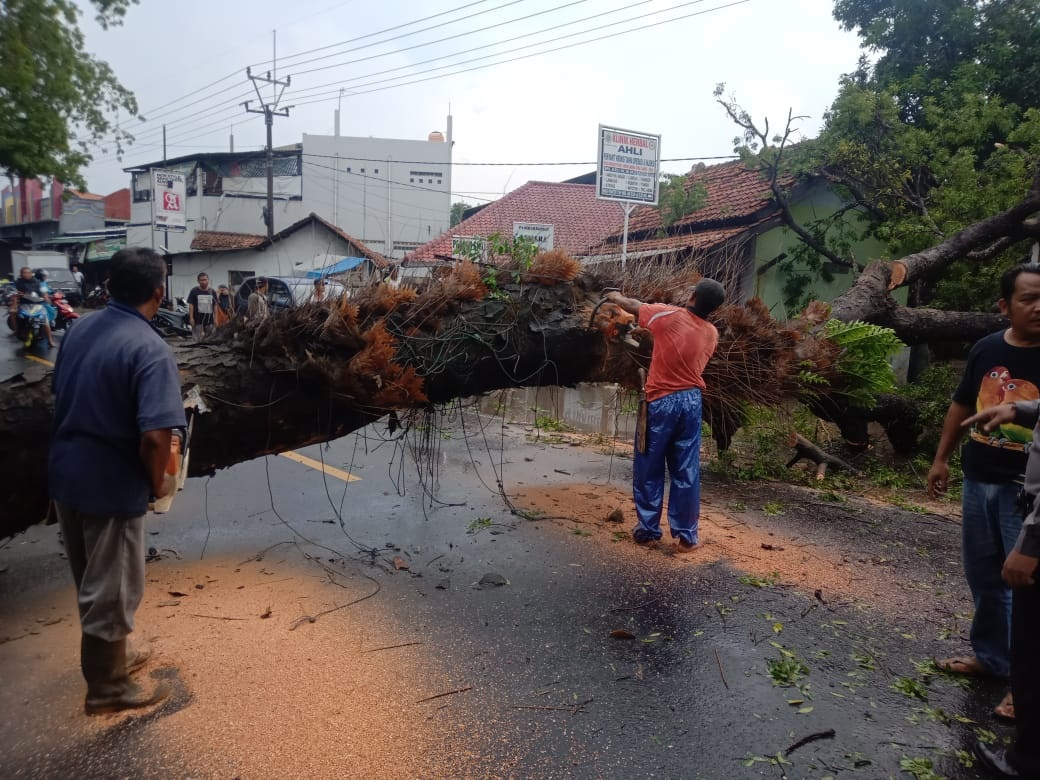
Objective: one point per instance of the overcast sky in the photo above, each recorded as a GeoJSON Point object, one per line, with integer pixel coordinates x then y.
{"type": "Point", "coordinates": [186, 63]}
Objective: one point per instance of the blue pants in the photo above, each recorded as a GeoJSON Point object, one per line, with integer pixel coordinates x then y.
{"type": "Point", "coordinates": [989, 528]}
{"type": "Point", "coordinates": [673, 432]}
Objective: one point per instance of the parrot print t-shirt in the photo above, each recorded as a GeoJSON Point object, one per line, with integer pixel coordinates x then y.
{"type": "Point", "coordinates": [998, 373]}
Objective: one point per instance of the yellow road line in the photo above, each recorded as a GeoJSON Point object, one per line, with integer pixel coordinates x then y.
{"type": "Point", "coordinates": [39, 360]}
{"type": "Point", "coordinates": [332, 471]}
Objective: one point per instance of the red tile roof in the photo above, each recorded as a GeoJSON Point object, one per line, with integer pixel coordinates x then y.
{"type": "Point", "coordinates": [579, 219]}
{"type": "Point", "coordinates": [738, 199]}
{"type": "Point", "coordinates": [216, 240]}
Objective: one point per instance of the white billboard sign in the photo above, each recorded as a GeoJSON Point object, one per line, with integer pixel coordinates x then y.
{"type": "Point", "coordinates": [628, 166]}
{"type": "Point", "coordinates": [542, 234]}
{"type": "Point", "coordinates": [169, 200]}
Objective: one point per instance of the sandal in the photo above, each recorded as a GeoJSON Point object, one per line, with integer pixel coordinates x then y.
{"type": "Point", "coordinates": [966, 665]}
{"type": "Point", "coordinates": [1005, 711]}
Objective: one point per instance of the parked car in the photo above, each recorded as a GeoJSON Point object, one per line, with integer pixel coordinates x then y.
{"type": "Point", "coordinates": [284, 292]}
{"type": "Point", "coordinates": [60, 280]}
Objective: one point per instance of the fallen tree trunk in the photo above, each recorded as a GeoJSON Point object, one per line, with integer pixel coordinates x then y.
{"type": "Point", "coordinates": [313, 375]}
{"type": "Point", "coordinates": [295, 380]}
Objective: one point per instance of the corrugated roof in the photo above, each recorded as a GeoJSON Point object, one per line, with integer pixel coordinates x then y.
{"type": "Point", "coordinates": [579, 219]}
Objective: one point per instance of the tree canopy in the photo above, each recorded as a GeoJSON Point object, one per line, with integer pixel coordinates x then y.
{"type": "Point", "coordinates": [937, 128]}
{"type": "Point", "coordinates": [56, 100]}
{"type": "Point", "coordinates": [941, 130]}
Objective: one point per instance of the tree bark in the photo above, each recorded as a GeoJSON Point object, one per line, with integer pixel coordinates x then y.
{"type": "Point", "coordinates": [257, 405]}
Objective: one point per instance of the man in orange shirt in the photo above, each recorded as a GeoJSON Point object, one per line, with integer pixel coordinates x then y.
{"type": "Point", "coordinates": [684, 340]}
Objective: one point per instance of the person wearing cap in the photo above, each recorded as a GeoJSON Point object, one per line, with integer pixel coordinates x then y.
{"type": "Point", "coordinates": [684, 341]}
{"type": "Point", "coordinates": [256, 306]}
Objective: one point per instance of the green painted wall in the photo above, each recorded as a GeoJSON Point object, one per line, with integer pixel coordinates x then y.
{"type": "Point", "coordinates": [818, 201]}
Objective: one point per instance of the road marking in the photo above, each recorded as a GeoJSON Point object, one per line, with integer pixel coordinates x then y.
{"type": "Point", "coordinates": [332, 471]}
{"type": "Point", "coordinates": [39, 360]}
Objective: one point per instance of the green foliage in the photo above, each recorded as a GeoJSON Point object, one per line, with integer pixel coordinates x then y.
{"type": "Point", "coordinates": [457, 210]}
{"type": "Point", "coordinates": [478, 524]}
{"type": "Point", "coordinates": [919, 768]}
{"type": "Point", "coordinates": [56, 100]}
{"type": "Point", "coordinates": [676, 200]}
{"type": "Point", "coordinates": [864, 360]}
{"type": "Point", "coordinates": [787, 670]}
{"type": "Point", "coordinates": [911, 688]}
{"type": "Point", "coordinates": [939, 128]}
{"type": "Point", "coordinates": [760, 582]}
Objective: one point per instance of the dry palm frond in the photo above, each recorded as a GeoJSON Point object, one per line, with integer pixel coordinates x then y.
{"type": "Point", "coordinates": [552, 267]}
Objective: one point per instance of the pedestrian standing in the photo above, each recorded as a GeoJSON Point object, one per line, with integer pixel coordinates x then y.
{"type": "Point", "coordinates": [256, 305]}
{"type": "Point", "coordinates": [77, 277]}
{"type": "Point", "coordinates": [225, 304]}
{"type": "Point", "coordinates": [1001, 368]}
{"type": "Point", "coordinates": [1022, 759]}
{"type": "Point", "coordinates": [684, 341]}
{"type": "Point", "coordinates": [319, 293]}
{"type": "Point", "coordinates": [117, 407]}
{"type": "Point", "coordinates": [202, 304]}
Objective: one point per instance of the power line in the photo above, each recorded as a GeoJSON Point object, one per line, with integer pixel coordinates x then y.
{"type": "Point", "coordinates": [361, 91]}
{"type": "Point", "coordinates": [152, 116]}
{"type": "Point", "coordinates": [208, 109]}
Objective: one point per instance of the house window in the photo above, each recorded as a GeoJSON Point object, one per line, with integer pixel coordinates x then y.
{"type": "Point", "coordinates": [362, 170]}
{"type": "Point", "coordinates": [377, 170]}
{"type": "Point", "coordinates": [348, 170]}
{"type": "Point", "coordinates": [438, 181]}
{"type": "Point", "coordinates": [412, 181]}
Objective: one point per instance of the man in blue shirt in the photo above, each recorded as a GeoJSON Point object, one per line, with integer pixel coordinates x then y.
{"type": "Point", "coordinates": [117, 406]}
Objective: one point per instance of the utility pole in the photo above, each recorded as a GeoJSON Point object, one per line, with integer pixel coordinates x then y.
{"type": "Point", "coordinates": [270, 111]}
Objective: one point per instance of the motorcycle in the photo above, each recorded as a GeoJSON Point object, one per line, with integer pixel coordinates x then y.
{"type": "Point", "coordinates": [172, 322]}
{"type": "Point", "coordinates": [64, 314]}
{"type": "Point", "coordinates": [96, 298]}
{"type": "Point", "coordinates": [27, 318]}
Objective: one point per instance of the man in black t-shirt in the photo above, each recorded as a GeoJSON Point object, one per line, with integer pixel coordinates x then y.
{"type": "Point", "coordinates": [1003, 367]}
{"type": "Point", "coordinates": [202, 303]}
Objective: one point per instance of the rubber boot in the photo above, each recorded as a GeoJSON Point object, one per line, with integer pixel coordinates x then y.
{"type": "Point", "coordinates": [109, 687]}
{"type": "Point", "coordinates": [136, 656]}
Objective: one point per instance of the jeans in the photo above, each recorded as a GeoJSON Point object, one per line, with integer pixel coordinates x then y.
{"type": "Point", "coordinates": [673, 432]}
{"type": "Point", "coordinates": [989, 528]}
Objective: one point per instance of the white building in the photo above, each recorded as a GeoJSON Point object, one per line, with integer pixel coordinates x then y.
{"type": "Point", "coordinates": [391, 194]}
{"type": "Point", "coordinates": [310, 247]}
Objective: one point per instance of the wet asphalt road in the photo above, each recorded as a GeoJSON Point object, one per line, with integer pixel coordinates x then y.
{"type": "Point", "coordinates": [690, 696]}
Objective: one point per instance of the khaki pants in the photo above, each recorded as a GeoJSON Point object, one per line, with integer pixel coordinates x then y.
{"type": "Point", "coordinates": [106, 555]}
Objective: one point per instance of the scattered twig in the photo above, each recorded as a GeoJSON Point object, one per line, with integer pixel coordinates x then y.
{"type": "Point", "coordinates": [392, 647]}
{"type": "Point", "coordinates": [217, 617]}
{"type": "Point", "coordinates": [446, 693]}
{"type": "Point", "coordinates": [574, 709]}
{"type": "Point", "coordinates": [828, 734]}
{"type": "Point", "coordinates": [722, 671]}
